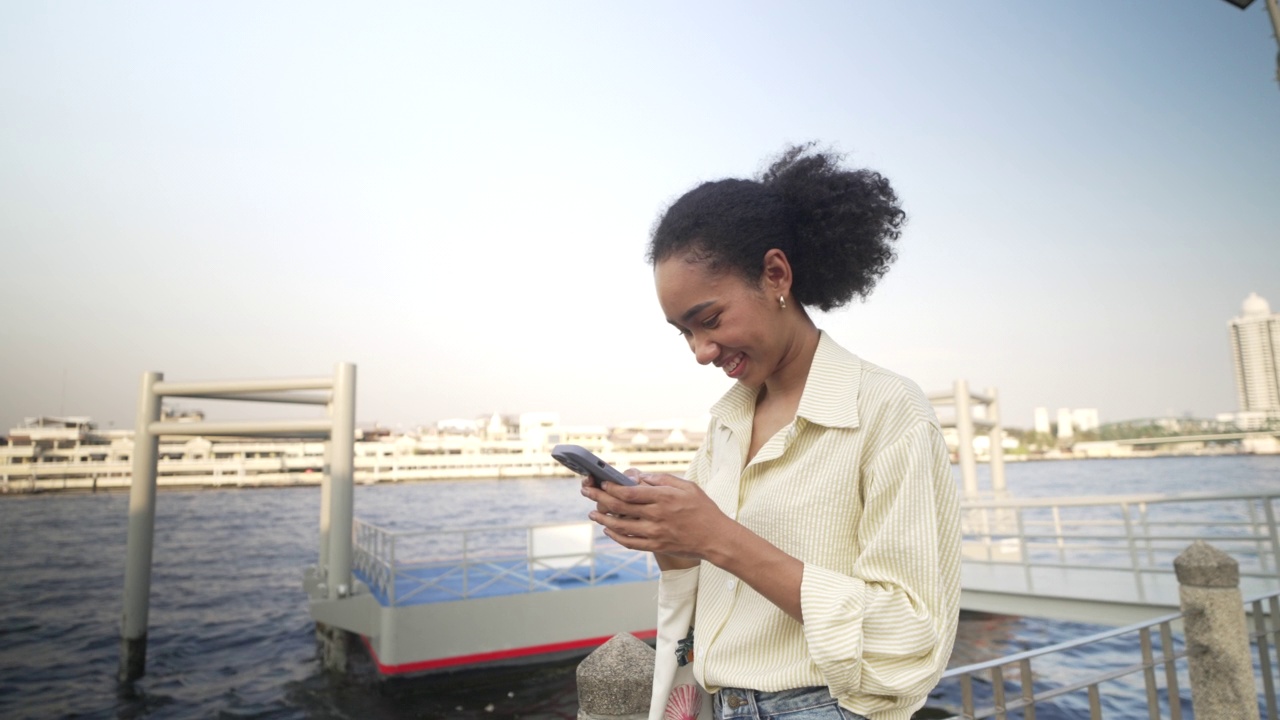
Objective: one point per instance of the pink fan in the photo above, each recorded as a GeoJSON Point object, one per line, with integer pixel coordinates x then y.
{"type": "Point", "coordinates": [684, 704]}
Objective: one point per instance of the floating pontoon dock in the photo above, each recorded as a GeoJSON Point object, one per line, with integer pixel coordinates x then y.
{"type": "Point", "coordinates": [438, 600]}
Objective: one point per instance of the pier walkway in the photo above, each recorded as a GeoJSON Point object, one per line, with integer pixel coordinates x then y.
{"type": "Point", "coordinates": [1105, 560]}
{"type": "Point", "coordinates": [1108, 560]}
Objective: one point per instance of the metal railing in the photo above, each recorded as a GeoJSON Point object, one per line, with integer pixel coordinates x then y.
{"type": "Point", "coordinates": [1140, 534]}
{"type": "Point", "coordinates": [405, 567]}
{"type": "Point", "coordinates": [1014, 685]}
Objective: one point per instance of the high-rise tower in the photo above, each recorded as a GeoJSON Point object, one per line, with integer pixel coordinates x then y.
{"type": "Point", "coordinates": [1255, 347]}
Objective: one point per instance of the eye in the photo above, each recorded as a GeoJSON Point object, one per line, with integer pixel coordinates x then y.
{"type": "Point", "coordinates": [712, 322]}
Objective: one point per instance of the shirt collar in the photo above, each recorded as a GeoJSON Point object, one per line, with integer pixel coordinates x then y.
{"type": "Point", "coordinates": [830, 395]}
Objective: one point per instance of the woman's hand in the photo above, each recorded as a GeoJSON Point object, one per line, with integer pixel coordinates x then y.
{"type": "Point", "coordinates": [676, 521]}
{"type": "Point", "coordinates": [663, 514]}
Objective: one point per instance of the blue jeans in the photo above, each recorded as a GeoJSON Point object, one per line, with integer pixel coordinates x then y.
{"type": "Point", "coordinates": [811, 703]}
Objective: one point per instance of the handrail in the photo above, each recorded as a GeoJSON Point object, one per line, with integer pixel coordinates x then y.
{"type": "Point", "coordinates": [1046, 539]}
{"type": "Point", "coordinates": [1265, 620]}
{"type": "Point", "coordinates": [456, 531]}
{"type": "Point", "coordinates": [1094, 500]}
{"type": "Point", "coordinates": [1067, 645]}
{"type": "Point", "coordinates": [468, 571]}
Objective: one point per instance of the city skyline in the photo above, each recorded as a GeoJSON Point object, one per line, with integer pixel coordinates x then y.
{"type": "Point", "coordinates": [457, 199]}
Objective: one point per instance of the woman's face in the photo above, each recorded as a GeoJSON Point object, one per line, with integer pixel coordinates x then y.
{"type": "Point", "coordinates": [727, 321]}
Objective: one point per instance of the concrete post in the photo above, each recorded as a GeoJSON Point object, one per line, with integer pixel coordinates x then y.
{"type": "Point", "coordinates": [996, 436]}
{"type": "Point", "coordinates": [342, 480]}
{"type": "Point", "coordinates": [964, 434]}
{"type": "Point", "coordinates": [1217, 640]}
{"type": "Point", "coordinates": [616, 680]}
{"type": "Point", "coordinates": [142, 523]}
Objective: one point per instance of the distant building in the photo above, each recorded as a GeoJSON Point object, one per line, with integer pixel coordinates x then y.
{"type": "Point", "coordinates": [1064, 424]}
{"type": "Point", "coordinates": [1085, 419]}
{"type": "Point", "coordinates": [1255, 348]}
{"type": "Point", "coordinates": [1042, 421]}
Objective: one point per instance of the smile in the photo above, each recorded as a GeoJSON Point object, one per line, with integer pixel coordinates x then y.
{"type": "Point", "coordinates": [733, 365]}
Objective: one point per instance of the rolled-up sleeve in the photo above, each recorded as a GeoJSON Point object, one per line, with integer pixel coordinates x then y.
{"type": "Point", "coordinates": [887, 628]}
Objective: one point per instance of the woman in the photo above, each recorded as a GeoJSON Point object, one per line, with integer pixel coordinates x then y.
{"type": "Point", "coordinates": [819, 516]}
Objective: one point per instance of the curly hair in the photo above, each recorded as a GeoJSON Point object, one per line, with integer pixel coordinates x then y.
{"type": "Point", "coordinates": [836, 226]}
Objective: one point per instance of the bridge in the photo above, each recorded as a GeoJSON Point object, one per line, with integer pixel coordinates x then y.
{"type": "Point", "coordinates": [1108, 560]}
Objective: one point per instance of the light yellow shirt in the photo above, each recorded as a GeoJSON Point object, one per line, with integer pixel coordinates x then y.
{"type": "Point", "coordinates": [859, 488]}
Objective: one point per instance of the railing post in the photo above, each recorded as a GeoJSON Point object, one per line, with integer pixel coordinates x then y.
{"type": "Point", "coordinates": [391, 568]}
{"type": "Point", "coordinates": [1217, 640]}
{"type": "Point", "coordinates": [1271, 531]}
{"type": "Point", "coordinates": [142, 523]}
{"type": "Point", "coordinates": [1057, 531]}
{"type": "Point", "coordinates": [995, 461]}
{"type": "Point", "coordinates": [616, 680]}
{"type": "Point", "coordinates": [1023, 554]}
{"type": "Point", "coordinates": [342, 480]}
{"type": "Point", "coordinates": [964, 436]}
{"type": "Point", "coordinates": [1133, 552]}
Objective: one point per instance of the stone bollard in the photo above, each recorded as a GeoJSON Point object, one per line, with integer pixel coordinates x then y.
{"type": "Point", "coordinates": [1218, 655]}
{"type": "Point", "coordinates": [615, 681]}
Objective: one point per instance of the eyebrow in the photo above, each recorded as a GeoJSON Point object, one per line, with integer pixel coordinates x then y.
{"type": "Point", "coordinates": [691, 312]}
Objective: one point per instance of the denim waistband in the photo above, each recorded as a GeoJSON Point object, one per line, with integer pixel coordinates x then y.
{"type": "Point", "coordinates": [741, 703]}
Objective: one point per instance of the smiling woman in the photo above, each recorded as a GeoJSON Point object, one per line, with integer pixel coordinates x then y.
{"type": "Point", "coordinates": [816, 534]}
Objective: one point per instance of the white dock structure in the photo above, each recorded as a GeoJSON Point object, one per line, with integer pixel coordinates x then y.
{"type": "Point", "coordinates": [965, 403]}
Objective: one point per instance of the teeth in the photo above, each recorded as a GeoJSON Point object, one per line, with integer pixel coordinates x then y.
{"type": "Point", "coordinates": [733, 364]}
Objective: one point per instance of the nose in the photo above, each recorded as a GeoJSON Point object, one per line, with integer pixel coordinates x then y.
{"type": "Point", "coordinates": [705, 351]}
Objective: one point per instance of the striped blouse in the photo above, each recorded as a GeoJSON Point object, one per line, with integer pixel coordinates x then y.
{"type": "Point", "coordinates": [859, 488]}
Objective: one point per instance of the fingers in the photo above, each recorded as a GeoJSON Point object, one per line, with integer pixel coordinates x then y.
{"type": "Point", "coordinates": [628, 532]}
{"type": "Point", "coordinates": [665, 480]}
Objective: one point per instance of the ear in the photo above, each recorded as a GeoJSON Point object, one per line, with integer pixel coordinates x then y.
{"type": "Point", "coordinates": [776, 276]}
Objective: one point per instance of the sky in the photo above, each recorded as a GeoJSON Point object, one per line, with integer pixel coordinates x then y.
{"type": "Point", "coordinates": [457, 196]}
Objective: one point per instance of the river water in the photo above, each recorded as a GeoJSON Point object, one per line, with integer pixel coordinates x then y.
{"type": "Point", "coordinates": [229, 632]}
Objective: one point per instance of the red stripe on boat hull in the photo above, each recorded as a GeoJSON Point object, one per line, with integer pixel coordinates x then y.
{"type": "Point", "coordinates": [496, 656]}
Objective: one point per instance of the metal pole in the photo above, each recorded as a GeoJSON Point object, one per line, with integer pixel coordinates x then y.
{"type": "Point", "coordinates": [997, 442]}
{"type": "Point", "coordinates": [142, 522]}
{"type": "Point", "coordinates": [326, 482]}
{"type": "Point", "coordinates": [1271, 531]}
{"type": "Point", "coordinates": [964, 433]}
{"type": "Point", "coordinates": [1273, 9]}
{"type": "Point", "coordinates": [342, 480]}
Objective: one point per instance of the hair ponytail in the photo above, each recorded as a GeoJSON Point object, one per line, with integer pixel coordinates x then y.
{"type": "Point", "coordinates": [836, 226]}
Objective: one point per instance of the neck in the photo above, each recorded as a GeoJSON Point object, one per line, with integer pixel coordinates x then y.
{"type": "Point", "coordinates": [789, 379]}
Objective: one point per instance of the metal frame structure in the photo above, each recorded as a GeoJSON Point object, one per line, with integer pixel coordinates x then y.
{"type": "Point", "coordinates": [1011, 680]}
{"type": "Point", "coordinates": [336, 393]}
{"type": "Point", "coordinates": [965, 402]}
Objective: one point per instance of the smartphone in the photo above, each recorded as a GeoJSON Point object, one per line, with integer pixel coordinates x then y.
{"type": "Point", "coordinates": [584, 462]}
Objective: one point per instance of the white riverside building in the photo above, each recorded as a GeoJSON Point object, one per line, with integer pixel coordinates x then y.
{"type": "Point", "coordinates": [68, 453]}
{"type": "Point", "coordinates": [1255, 351]}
